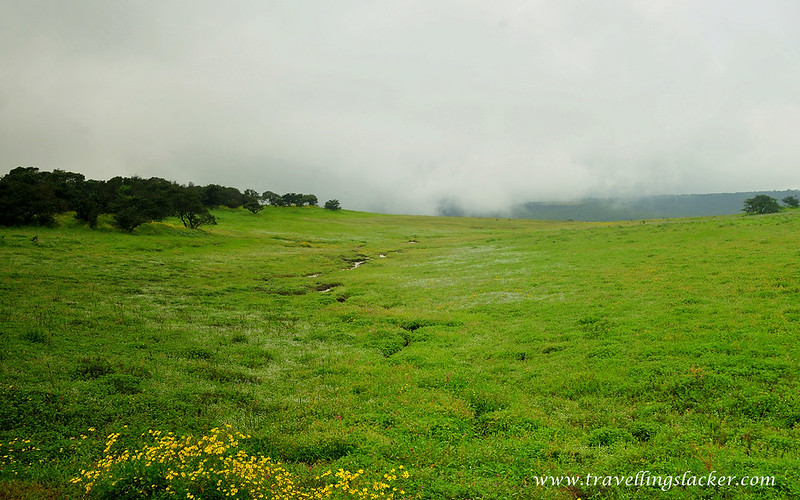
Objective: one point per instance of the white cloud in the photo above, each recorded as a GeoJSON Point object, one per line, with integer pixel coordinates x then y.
{"type": "Point", "coordinates": [397, 106]}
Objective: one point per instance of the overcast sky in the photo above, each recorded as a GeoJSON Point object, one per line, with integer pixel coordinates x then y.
{"type": "Point", "coordinates": [395, 105]}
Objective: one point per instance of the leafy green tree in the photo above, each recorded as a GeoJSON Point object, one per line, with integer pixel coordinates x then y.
{"type": "Point", "coordinates": [253, 206]}
{"type": "Point", "coordinates": [158, 194]}
{"type": "Point", "coordinates": [78, 194]}
{"type": "Point", "coordinates": [297, 200]}
{"type": "Point", "coordinates": [292, 199]}
{"type": "Point", "coordinates": [189, 208]}
{"type": "Point", "coordinates": [333, 205]}
{"type": "Point", "coordinates": [87, 203]}
{"type": "Point", "coordinates": [195, 220]}
{"type": "Point", "coordinates": [139, 201]}
{"type": "Point", "coordinates": [65, 185]}
{"type": "Point", "coordinates": [216, 195]}
{"type": "Point", "coordinates": [273, 199]}
{"type": "Point", "coordinates": [791, 201]}
{"type": "Point", "coordinates": [130, 211]}
{"type": "Point", "coordinates": [250, 194]}
{"type": "Point", "coordinates": [252, 201]}
{"type": "Point", "coordinates": [26, 197]}
{"type": "Point", "coordinates": [761, 204]}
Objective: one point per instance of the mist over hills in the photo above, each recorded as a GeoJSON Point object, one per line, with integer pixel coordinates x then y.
{"type": "Point", "coordinates": [609, 209]}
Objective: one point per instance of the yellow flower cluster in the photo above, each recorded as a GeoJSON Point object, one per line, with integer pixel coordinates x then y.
{"type": "Point", "coordinates": [347, 484]}
{"type": "Point", "coordinates": [9, 451]}
{"type": "Point", "coordinates": [211, 466]}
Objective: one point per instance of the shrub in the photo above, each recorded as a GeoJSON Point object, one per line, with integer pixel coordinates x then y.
{"type": "Point", "coordinates": [333, 205]}
{"type": "Point", "coordinates": [761, 204]}
{"type": "Point", "coordinates": [791, 201]}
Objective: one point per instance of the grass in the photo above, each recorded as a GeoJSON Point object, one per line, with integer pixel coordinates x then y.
{"type": "Point", "coordinates": [479, 354]}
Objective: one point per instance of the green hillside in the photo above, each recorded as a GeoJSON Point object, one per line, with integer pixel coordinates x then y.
{"type": "Point", "coordinates": [644, 207]}
{"type": "Point", "coordinates": [481, 355]}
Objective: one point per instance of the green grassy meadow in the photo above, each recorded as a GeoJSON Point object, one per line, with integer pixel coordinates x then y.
{"type": "Point", "coordinates": [476, 353]}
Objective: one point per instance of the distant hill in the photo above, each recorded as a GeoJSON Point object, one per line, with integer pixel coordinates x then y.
{"type": "Point", "coordinates": [647, 207]}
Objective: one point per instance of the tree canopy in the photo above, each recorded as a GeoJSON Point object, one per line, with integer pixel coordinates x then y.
{"type": "Point", "coordinates": [333, 205]}
{"type": "Point", "coordinates": [761, 204]}
{"type": "Point", "coordinates": [30, 196]}
{"type": "Point", "coordinates": [791, 201]}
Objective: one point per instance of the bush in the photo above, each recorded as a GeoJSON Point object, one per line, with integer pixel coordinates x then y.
{"type": "Point", "coordinates": [791, 201]}
{"type": "Point", "coordinates": [761, 204]}
{"type": "Point", "coordinates": [333, 205]}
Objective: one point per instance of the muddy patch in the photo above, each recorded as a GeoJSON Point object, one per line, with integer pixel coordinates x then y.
{"type": "Point", "coordinates": [355, 263]}
{"type": "Point", "coordinates": [326, 287]}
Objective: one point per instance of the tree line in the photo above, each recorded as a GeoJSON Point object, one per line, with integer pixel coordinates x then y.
{"type": "Point", "coordinates": [764, 204]}
{"type": "Point", "coordinates": [31, 196]}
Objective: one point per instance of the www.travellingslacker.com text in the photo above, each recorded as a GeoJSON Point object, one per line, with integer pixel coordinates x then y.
{"type": "Point", "coordinates": [646, 479]}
